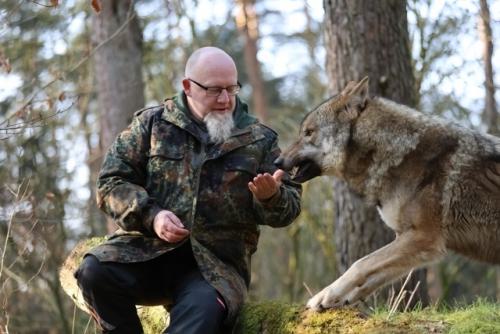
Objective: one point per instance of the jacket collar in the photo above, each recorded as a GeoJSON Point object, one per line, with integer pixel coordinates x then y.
{"type": "Point", "coordinates": [180, 113]}
{"type": "Point", "coordinates": [246, 128]}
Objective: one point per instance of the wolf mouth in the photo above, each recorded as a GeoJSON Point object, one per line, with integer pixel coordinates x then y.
{"type": "Point", "coordinates": [305, 170]}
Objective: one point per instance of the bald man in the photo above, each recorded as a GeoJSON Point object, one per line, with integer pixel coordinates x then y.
{"type": "Point", "coordinates": [188, 183]}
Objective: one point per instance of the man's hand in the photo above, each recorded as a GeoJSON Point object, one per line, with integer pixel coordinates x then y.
{"type": "Point", "coordinates": [264, 186]}
{"type": "Point", "coordinates": [169, 227]}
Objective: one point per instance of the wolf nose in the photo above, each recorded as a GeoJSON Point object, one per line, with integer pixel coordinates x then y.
{"type": "Point", "coordinates": [279, 162]}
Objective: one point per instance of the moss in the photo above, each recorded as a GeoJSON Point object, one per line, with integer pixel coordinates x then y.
{"type": "Point", "coordinates": [267, 317]}
{"type": "Point", "coordinates": [68, 281]}
{"type": "Point", "coordinates": [271, 317]}
{"type": "Point", "coordinates": [330, 321]}
{"type": "Point", "coordinates": [279, 318]}
{"type": "Point", "coordinates": [154, 319]}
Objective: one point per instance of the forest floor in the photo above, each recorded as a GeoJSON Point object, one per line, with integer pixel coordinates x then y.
{"type": "Point", "coordinates": [274, 317]}
{"type": "Point", "coordinates": [278, 318]}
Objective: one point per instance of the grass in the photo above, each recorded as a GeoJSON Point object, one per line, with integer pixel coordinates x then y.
{"type": "Point", "coordinates": [272, 317]}
{"type": "Point", "coordinates": [278, 318]}
{"type": "Point", "coordinates": [481, 317]}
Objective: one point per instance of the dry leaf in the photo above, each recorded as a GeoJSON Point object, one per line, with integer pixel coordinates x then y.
{"type": "Point", "coordinates": [5, 63]}
{"type": "Point", "coordinates": [96, 4]}
{"type": "Point", "coordinates": [54, 3]}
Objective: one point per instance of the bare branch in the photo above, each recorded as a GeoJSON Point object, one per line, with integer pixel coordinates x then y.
{"type": "Point", "coordinates": [11, 129]}
{"type": "Point", "coordinates": [130, 16]}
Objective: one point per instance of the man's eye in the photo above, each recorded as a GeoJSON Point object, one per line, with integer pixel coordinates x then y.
{"type": "Point", "coordinates": [214, 90]}
{"type": "Point", "coordinates": [233, 90]}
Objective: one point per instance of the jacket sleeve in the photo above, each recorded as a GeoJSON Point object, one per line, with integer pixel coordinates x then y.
{"type": "Point", "coordinates": [121, 183]}
{"type": "Point", "coordinates": [283, 207]}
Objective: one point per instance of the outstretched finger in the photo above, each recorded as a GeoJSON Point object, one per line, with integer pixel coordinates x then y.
{"type": "Point", "coordinates": [278, 175]}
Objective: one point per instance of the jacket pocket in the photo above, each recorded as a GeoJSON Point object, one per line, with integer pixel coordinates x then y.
{"type": "Point", "coordinates": [237, 172]}
{"type": "Point", "coordinates": [169, 152]}
{"type": "Point", "coordinates": [241, 163]}
{"type": "Point", "coordinates": [168, 177]}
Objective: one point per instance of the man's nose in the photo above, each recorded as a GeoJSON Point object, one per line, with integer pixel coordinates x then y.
{"type": "Point", "coordinates": [223, 96]}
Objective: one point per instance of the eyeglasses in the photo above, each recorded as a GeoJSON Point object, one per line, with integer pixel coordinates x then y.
{"type": "Point", "coordinates": [216, 91]}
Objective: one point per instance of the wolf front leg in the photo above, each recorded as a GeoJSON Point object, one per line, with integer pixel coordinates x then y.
{"type": "Point", "coordinates": [409, 250]}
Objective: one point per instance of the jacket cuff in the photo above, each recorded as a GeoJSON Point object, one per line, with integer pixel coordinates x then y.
{"type": "Point", "coordinates": [271, 201]}
{"type": "Point", "coordinates": [149, 217]}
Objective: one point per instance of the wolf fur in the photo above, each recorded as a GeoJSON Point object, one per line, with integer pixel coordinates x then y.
{"type": "Point", "coordinates": [436, 184]}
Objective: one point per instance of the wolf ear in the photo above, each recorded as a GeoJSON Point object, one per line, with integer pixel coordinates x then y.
{"type": "Point", "coordinates": [355, 96]}
{"type": "Point", "coordinates": [359, 94]}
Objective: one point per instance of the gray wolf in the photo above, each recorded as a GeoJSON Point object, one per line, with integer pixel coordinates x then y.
{"type": "Point", "coordinates": [436, 184]}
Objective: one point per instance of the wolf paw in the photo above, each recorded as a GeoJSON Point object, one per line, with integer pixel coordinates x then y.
{"type": "Point", "coordinates": [326, 299]}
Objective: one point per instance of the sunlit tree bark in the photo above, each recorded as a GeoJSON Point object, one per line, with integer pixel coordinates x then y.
{"type": "Point", "coordinates": [248, 25]}
{"type": "Point", "coordinates": [118, 71]}
{"type": "Point", "coordinates": [486, 35]}
{"type": "Point", "coordinates": [490, 105]}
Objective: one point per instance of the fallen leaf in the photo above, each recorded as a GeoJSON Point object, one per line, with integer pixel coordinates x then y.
{"type": "Point", "coordinates": [96, 4]}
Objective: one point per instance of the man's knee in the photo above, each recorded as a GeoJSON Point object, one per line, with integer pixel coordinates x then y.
{"type": "Point", "coordinates": [90, 274]}
{"type": "Point", "coordinates": [210, 301]}
{"type": "Point", "coordinates": [207, 303]}
{"type": "Point", "coordinates": [199, 309]}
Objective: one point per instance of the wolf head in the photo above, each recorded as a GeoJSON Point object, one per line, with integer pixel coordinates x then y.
{"type": "Point", "coordinates": [324, 135]}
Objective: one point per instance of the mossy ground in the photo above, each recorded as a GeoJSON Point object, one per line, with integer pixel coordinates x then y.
{"type": "Point", "coordinates": [272, 317]}
{"type": "Point", "coordinates": [278, 318]}
{"type": "Point", "coordinates": [154, 319]}
{"type": "Point", "coordinates": [480, 317]}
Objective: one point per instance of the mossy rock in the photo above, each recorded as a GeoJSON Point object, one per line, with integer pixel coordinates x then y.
{"type": "Point", "coordinates": [271, 317]}
{"type": "Point", "coordinates": [153, 318]}
{"type": "Point", "coordinates": [68, 281]}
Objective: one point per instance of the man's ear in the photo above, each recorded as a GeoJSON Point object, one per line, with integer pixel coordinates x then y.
{"type": "Point", "coordinates": [186, 86]}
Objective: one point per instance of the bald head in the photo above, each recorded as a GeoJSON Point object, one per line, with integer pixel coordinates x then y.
{"type": "Point", "coordinates": [210, 67]}
{"type": "Point", "coordinates": [208, 61]}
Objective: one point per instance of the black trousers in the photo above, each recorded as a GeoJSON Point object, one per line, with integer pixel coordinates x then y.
{"type": "Point", "coordinates": [113, 289]}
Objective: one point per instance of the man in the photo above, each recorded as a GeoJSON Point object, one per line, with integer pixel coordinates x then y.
{"type": "Point", "coordinates": [188, 183]}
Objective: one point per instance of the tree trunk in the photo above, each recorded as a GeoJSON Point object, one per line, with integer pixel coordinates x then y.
{"type": "Point", "coordinates": [248, 25]}
{"type": "Point", "coordinates": [490, 105]}
{"type": "Point", "coordinates": [118, 70]}
{"type": "Point", "coordinates": [486, 35]}
{"type": "Point", "coordinates": [368, 38]}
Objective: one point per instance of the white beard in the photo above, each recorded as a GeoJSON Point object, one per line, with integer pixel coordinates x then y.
{"type": "Point", "coordinates": [219, 126]}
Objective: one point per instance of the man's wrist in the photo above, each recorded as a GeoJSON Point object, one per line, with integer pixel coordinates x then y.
{"type": "Point", "coordinates": [272, 198]}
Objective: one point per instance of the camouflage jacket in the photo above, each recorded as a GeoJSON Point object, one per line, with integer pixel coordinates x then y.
{"type": "Point", "coordinates": [163, 161]}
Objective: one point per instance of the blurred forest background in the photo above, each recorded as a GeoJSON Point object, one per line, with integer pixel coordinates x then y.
{"type": "Point", "coordinates": [73, 72]}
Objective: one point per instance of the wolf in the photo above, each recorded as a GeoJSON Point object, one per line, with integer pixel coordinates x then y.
{"type": "Point", "coordinates": [436, 184]}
